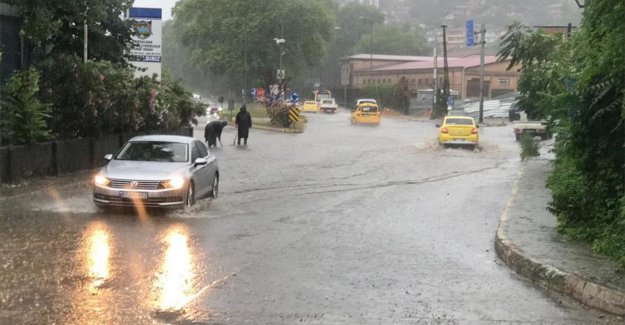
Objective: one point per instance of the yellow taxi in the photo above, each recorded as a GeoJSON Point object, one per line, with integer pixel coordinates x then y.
{"type": "Point", "coordinates": [366, 113]}
{"type": "Point", "coordinates": [310, 106]}
{"type": "Point", "coordinates": [458, 130]}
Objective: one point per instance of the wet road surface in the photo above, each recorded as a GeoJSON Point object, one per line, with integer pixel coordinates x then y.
{"type": "Point", "coordinates": [339, 225]}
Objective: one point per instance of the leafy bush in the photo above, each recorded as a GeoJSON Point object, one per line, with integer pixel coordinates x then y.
{"type": "Point", "coordinates": [23, 116]}
{"type": "Point", "coordinates": [100, 97]}
{"type": "Point", "coordinates": [529, 148]}
{"type": "Point", "coordinates": [278, 114]}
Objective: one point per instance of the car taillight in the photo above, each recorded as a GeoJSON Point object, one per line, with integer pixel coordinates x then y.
{"type": "Point", "coordinates": [444, 130]}
{"type": "Point", "coordinates": [474, 131]}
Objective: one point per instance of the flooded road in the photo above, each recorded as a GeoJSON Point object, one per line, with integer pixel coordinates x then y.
{"type": "Point", "coordinates": [339, 225]}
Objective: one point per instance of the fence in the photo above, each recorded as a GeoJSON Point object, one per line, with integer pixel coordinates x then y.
{"type": "Point", "coordinates": [60, 157]}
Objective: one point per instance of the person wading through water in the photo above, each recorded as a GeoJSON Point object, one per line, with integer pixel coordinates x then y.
{"type": "Point", "coordinates": [212, 133]}
{"type": "Point", "coordinates": [244, 123]}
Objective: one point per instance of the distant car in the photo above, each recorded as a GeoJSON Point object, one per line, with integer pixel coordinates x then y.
{"type": "Point", "coordinates": [328, 105]}
{"type": "Point", "coordinates": [213, 110]}
{"type": "Point", "coordinates": [363, 101]}
{"type": "Point", "coordinates": [366, 113]}
{"type": "Point", "coordinates": [458, 130]}
{"type": "Point", "coordinates": [157, 171]}
{"type": "Point", "coordinates": [310, 106]}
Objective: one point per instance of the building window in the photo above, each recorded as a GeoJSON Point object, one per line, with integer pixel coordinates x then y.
{"type": "Point", "coordinates": [504, 82]}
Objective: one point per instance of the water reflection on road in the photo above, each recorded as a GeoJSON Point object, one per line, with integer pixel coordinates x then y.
{"type": "Point", "coordinates": [175, 281]}
{"type": "Point", "coordinates": [98, 255]}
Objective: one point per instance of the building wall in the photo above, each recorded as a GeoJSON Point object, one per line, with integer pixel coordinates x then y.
{"type": "Point", "coordinates": [498, 80]}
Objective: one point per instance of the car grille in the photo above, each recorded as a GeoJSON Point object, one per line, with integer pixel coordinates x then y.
{"type": "Point", "coordinates": [155, 200]}
{"type": "Point", "coordinates": [139, 185]}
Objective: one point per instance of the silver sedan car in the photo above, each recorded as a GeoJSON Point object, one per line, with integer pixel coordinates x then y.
{"type": "Point", "coordinates": [157, 171]}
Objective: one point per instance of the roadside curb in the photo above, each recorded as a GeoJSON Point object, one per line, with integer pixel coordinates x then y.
{"type": "Point", "coordinates": [274, 129]}
{"type": "Point", "coordinates": [549, 277]}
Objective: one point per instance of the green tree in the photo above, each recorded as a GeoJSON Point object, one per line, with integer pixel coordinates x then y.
{"type": "Point", "coordinates": [223, 34]}
{"type": "Point", "coordinates": [57, 26]}
{"type": "Point", "coordinates": [394, 40]}
{"type": "Point", "coordinates": [588, 181]}
{"type": "Point", "coordinates": [352, 21]}
{"type": "Point", "coordinates": [24, 117]}
{"type": "Point", "coordinates": [541, 74]}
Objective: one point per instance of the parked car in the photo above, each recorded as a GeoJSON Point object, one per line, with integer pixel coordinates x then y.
{"type": "Point", "coordinates": [458, 130]}
{"type": "Point", "coordinates": [366, 113]}
{"type": "Point", "coordinates": [532, 128]}
{"type": "Point", "coordinates": [310, 106]}
{"type": "Point", "coordinates": [157, 171]}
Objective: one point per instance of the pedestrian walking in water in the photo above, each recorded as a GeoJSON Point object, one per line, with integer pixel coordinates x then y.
{"type": "Point", "coordinates": [244, 123]}
{"type": "Point", "coordinates": [213, 131]}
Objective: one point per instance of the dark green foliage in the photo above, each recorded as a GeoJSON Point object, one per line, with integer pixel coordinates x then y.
{"type": "Point", "coordinates": [99, 98]}
{"type": "Point", "coordinates": [57, 26]}
{"type": "Point", "coordinates": [529, 148]}
{"type": "Point", "coordinates": [220, 33]}
{"type": "Point", "coordinates": [588, 181]}
{"type": "Point", "coordinates": [23, 116]}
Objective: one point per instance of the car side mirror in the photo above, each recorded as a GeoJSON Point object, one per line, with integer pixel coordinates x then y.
{"type": "Point", "coordinates": [200, 162]}
{"type": "Point", "coordinates": [108, 157]}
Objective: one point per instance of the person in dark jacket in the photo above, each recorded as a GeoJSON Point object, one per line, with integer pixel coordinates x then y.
{"type": "Point", "coordinates": [212, 133]}
{"type": "Point", "coordinates": [244, 123]}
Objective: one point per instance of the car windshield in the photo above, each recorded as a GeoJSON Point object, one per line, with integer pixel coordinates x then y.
{"type": "Point", "coordinates": [458, 121]}
{"type": "Point", "coordinates": [155, 151]}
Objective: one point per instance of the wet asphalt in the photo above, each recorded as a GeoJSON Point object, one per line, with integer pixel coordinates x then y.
{"type": "Point", "coordinates": [339, 225]}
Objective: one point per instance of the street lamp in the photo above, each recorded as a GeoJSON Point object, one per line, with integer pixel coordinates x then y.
{"type": "Point", "coordinates": [370, 42]}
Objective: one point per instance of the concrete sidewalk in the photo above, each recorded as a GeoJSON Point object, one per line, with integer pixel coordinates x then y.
{"type": "Point", "coordinates": [527, 240]}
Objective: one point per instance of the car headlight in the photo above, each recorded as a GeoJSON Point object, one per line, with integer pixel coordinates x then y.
{"type": "Point", "coordinates": [173, 183]}
{"type": "Point", "coordinates": [220, 109]}
{"type": "Point", "coordinates": [101, 180]}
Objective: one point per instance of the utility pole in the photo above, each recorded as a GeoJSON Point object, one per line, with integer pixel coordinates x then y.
{"type": "Point", "coordinates": [86, 36]}
{"type": "Point", "coordinates": [435, 76]}
{"type": "Point", "coordinates": [243, 92]}
{"type": "Point", "coordinates": [446, 72]}
{"type": "Point", "coordinates": [482, 53]}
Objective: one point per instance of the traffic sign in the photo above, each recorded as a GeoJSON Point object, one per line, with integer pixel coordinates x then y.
{"type": "Point", "coordinates": [253, 92]}
{"type": "Point", "coordinates": [470, 34]}
{"type": "Point", "coordinates": [281, 74]}
{"type": "Point", "coordinates": [294, 97]}
{"type": "Point", "coordinates": [294, 114]}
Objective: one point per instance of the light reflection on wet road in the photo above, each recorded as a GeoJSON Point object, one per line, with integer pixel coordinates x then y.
{"type": "Point", "coordinates": [347, 225]}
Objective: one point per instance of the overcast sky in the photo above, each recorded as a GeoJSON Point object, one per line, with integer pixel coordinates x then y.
{"type": "Point", "coordinates": [166, 5]}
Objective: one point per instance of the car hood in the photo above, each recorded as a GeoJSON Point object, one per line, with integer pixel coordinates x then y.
{"type": "Point", "coordinates": [143, 170]}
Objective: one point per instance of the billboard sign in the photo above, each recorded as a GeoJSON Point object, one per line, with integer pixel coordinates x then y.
{"type": "Point", "coordinates": [470, 34]}
{"type": "Point", "coordinates": [146, 51]}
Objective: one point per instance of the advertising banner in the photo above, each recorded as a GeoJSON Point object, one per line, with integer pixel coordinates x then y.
{"type": "Point", "coordinates": [146, 52]}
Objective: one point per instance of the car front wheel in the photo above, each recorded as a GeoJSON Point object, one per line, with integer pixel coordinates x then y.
{"type": "Point", "coordinates": [215, 191]}
{"type": "Point", "coordinates": [190, 200]}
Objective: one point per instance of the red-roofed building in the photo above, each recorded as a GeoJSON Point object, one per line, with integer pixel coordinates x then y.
{"type": "Point", "coordinates": [464, 73]}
